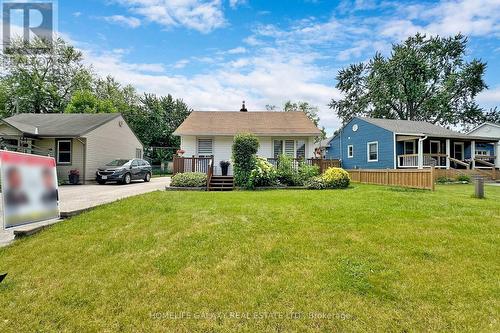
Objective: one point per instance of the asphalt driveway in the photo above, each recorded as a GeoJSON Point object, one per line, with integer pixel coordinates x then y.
{"type": "Point", "coordinates": [75, 198]}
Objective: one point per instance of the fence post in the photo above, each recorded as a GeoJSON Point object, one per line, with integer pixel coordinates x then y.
{"type": "Point", "coordinates": [387, 177]}
{"type": "Point", "coordinates": [433, 184]}
{"type": "Point", "coordinates": [192, 164]}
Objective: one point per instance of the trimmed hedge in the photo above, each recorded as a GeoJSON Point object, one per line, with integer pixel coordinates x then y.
{"type": "Point", "coordinates": [189, 179]}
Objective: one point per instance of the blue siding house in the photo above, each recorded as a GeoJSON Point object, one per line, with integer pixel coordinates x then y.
{"type": "Point", "coordinates": [369, 143]}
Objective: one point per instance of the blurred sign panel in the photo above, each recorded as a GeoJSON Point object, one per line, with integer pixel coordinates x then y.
{"type": "Point", "coordinates": [29, 188]}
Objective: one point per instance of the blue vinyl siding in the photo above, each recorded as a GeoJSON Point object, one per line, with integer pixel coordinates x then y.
{"type": "Point", "coordinates": [359, 140]}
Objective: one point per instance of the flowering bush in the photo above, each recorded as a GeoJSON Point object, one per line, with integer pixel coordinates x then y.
{"type": "Point", "coordinates": [306, 172]}
{"type": "Point", "coordinates": [336, 178]}
{"type": "Point", "coordinates": [180, 152]}
{"type": "Point", "coordinates": [315, 183]}
{"type": "Point", "coordinates": [263, 174]}
{"type": "Point", "coordinates": [189, 179]}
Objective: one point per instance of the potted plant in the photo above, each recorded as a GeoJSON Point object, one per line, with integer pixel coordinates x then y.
{"type": "Point", "coordinates": [74, 177]}
{"type": "Point", "coordinates": [224, 165]}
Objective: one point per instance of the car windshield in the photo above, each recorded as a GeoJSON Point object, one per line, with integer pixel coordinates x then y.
{"type": "Point", "coordinates": [117, 163]}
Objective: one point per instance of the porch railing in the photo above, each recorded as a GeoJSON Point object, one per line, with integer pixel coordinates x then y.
{"type": "Point", "coordinates": [193, 164]}
{"type": "Point", "coordinates": [323, 164]}
{"type": "Point", "coordinates": [430, 160]}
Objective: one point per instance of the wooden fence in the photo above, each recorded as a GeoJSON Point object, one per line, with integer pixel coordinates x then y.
{"type": "Point", "coordinates": [421, 179]}
{"type": "Point", "coordinates": [193, 164]}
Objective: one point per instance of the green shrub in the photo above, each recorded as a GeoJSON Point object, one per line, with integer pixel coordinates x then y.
{"type": "Point", "coordinates": [336, 178]}
{"type": "Point", "coordinates": [189, 179]}
{"type": "Point", "coordinates": [463, 178]}
{"type": "Point", "coordinates": [443, 180]}
{"type": "Point", "coordinates": [315, 183]}
{"type": "Point", "coordinates": [245, 146]}
{"type": "Point", "coordinates": [307, 172]}
{"type": "Point", "coordinates": [287, 174]}
{"type": "Point", "coordinates": [263, 174]}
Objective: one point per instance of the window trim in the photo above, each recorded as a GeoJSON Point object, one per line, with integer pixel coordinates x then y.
{"type": "Point", "coordinates": [414, 147]}
{"type": "Point", "coordinates": [368, 151]}
{"type": "Point", "coordinates": [70, 151]}
{"type": "Point", "coordinates": [351, 151]}
{"type": "Point", "coordinates": [198, 146]}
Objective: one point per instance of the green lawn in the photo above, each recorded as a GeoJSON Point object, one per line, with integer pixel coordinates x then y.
{"type": "Point", "coordinates": [368, 258]}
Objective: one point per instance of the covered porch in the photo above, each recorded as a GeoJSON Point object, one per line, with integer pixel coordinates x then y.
{"type": "Point", "coordinates": [420, 152]}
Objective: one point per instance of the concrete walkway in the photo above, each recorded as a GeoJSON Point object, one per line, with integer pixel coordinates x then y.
{"type": "Point", "coordinates": [75, 199]}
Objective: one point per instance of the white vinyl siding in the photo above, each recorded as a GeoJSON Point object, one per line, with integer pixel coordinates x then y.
{"type": "Point", "coordinates": [110, 141]}
{"type": "Point", "coordinates": [205, 147]}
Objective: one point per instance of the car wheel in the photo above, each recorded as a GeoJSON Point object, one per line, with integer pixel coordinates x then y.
{"type": "Point", "coordinates": [101, 182]}
{"type": "Point", "coordinates": [147, 178]}
{"type": "Point", "coordinates": [127, 179]}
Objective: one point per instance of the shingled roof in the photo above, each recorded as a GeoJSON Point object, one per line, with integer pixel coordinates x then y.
{"type": "Point", "coordinates": [57, 124]}
{"type": "Point", "coordinates": [417, 128]}
{"type": "Point", "coordinates": [260, 123]}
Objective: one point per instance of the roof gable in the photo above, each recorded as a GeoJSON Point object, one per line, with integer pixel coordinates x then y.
{"type": "Point", "coordinates": [57, 124]}
{"type": "Point", "coordinates": [260, 123]}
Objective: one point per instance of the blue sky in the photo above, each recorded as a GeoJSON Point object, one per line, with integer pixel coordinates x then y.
{"type": "Point", "coordinates": [216, 53]}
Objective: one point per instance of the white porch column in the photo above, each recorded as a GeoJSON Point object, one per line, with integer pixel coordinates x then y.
{"type": "Point", "coordinates": [420, 153]}
{"type": "Point", "coordinates": [497, 154]}
{"type": "Point", "coordinates": [448, 153]}
{"type": "Point", "coordinates": [473, 153]}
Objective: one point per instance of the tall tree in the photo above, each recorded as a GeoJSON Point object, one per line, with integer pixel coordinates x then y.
{"type": "Point", "coordinates": [42, 82]}
{"type": "Point", "coordinates": [310, 111]}
{"type": "Point", "coordinates": [422, 79]}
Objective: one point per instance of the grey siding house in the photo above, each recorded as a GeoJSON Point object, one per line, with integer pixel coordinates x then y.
{"type": "Point", "coordinates": [76, 141]}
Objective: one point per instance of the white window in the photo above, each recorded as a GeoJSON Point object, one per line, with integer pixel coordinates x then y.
{"type": "Point", "coordinates": [372, 151]}
{"type": "Point", "coordinates": [482, 153]}
{"type": "Point", "coordinates": [409, 147]}
{"type": "Point", "coordinates": [63, 151]}
{"type": "Point", "coordinates": [290, 148]}
{"type": "Point", "coordinates": [278, 148]}
{"type": "Point", "coordinates": [350, 151]}
{"type": "Point", "coordinates": [205, 147]}
{"type": "Point", "coordinates": [138, 153]}
{"type": "Point", "coordinates": [300, 150]}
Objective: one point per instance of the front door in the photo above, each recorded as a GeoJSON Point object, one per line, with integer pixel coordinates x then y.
{"type": "Point", "coordinates": [458, 151]}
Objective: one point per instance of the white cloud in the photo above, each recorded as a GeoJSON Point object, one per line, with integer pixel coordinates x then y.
{"type": "Point", "coordinates": [490, 97]}
{"type": "Point", "coordinates": [181, 64]}
{"type": "Point", "coordinates": [77, 14]}
{"type": "Point", "coordinates": [131, 22]}
{"type": "Point", "coordinates": [200, 15]}
{"type": "Point", "coordinates": [271, 77]}
{"type": "Point", "coordinates": [237, 50]}
{"type": "Point", "coordinates": [235, 3]}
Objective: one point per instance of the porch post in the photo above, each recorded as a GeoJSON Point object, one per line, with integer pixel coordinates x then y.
{"type": "Point", "coordinates": [496, 149]}
{"type": "Point", "coordinates": [473, 153]}
{"type": "Point", "coordinates": [420, 153]}
{"type": "Point", "coordinates": [448, 153]}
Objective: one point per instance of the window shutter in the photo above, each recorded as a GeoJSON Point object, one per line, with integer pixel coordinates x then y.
{"type": "Point", "coordinates": [205, 147]}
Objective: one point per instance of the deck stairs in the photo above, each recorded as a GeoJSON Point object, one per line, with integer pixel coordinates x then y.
{"type": "Point", "coordinates": [221, 183]}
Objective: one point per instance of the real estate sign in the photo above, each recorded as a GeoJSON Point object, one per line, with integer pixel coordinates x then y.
{"type": "Point", "coordinates": [29, 188]}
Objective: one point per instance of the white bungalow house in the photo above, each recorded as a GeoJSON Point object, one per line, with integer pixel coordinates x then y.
{"type": "Point", "coordinates": [490, 130]}
{"type": "Point", "coordinates": [80, 142]}
{"type": "Point", "coordinates": [211, 133]}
